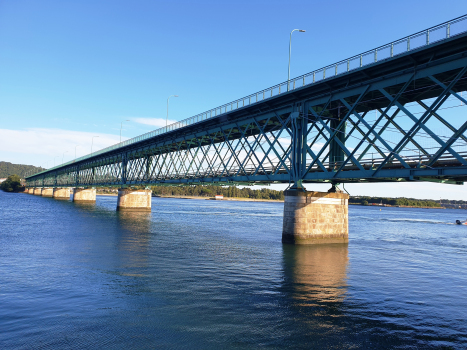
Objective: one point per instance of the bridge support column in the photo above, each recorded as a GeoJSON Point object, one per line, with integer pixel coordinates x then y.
{"type": "Point", "coordinates": [134, 200]}
{"type": "Point", "coordinates": [38, 191]}
{"type": "Point", "coordinates": [315, 217]}
{"type": "Point", "coordinates": [61, 193]}
{"type": "Point", "coordinates": [84, 194]}
{"type": "Point", "coordinates": [47, 192]}
{"type": "Point", "coordinates": [31, 190]}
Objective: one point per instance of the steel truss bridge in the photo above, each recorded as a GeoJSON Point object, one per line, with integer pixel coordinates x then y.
{"type": "Point", "coordinates": [394, 113]}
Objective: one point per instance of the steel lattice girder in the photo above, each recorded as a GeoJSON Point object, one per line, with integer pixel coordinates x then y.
{"type": "Point", "coordinates": [311, 136]}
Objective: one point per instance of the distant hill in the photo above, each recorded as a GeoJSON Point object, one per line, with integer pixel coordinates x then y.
{"type": "Point", "coordinates": [7, 169]}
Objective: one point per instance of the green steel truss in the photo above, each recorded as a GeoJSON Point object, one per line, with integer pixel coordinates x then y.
{"type": "Point", "coordinates": [402, 119]}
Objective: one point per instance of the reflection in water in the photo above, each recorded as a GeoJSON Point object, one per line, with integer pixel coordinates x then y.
{"type": "Point", "coordinates": [315, 281]}
{"type": "Point", "coordinates": [317, 273]}
{"type": "Point", "coordinates": [135, 221]}
{"type": "Point", "coordinates": [133, 242]}
{"type": "Point", "coordinates": [87, 206]}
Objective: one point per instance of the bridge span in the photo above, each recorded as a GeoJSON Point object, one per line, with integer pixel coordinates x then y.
{"type": "Point", "coordinates": [394, 113]}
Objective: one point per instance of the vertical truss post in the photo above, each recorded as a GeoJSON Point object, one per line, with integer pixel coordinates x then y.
{"type": "Point", "coordinates": [77, 176]}
{"type": "Point", "coordinates": [298, 163]}
{"type": "Point", "coordinates": [148, 167]}
{"type": "Point", "coordinates": [124, 169]}
{"type": "Point", "coordinates": [336, 154]}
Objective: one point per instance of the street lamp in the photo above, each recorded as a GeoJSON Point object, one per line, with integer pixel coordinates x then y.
{"type": "Point", "coordinates": [121, 125]}
{"type": "Point", "coordinates": [75, 150]}
{"type": "Point", "coordinates": [64, 155]}
{"type": "Point", "coordinates": [167, 120]}
{"type": "Point", "coordinates": [290, 52]}
{"type": "Point", "coordinates": [92, 141]}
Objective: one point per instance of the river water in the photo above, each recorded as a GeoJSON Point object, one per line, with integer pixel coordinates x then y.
{"type": "Point", "coordinates": [200, 274]}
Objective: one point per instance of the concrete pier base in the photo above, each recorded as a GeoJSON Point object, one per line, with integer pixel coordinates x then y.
{"type": "Point", "coordinates": [315, 217]}
{"type": "Point", "coordinates": [134, 200]}
{"type": "Point", "coordinates": [61, 193]}
{"type": "Point", "coordinates": [31, 190]}
{"type": "Point", "coordinates": [84, 195]}
{"type": "Point", "coordinates": [38, 191]}
{"type": "Point", "coordinates": [47, 192]}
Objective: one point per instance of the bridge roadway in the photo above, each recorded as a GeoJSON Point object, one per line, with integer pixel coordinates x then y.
{"type": "Point", "coordinates": [394, 113]}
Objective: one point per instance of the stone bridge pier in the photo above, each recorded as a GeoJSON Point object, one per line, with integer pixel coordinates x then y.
{"type": "Point", "coordinates": [61, 193]}
{"type": "Point", "coordinates": [81, 194]}
{"type": "Point", "coordinates": [315, 217]}
{"type": "Point", "coordinates": [38, 191]}
{"type": "Point", "coordinates": [134, 200]}
{"type": "Point", "coordinates": [47, 192]}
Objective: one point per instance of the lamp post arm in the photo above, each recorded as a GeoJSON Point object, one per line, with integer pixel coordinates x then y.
{"type": "Point", "coordinates": [290, 54]}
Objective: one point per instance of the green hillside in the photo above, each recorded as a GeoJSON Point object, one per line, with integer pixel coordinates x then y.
{"type": "Point", "coordinates": [7, 169]}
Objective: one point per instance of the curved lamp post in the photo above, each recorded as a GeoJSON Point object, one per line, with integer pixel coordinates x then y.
{"type": "Point", "coordinates": [167, 119]}
{"type": "Point", "coordinates": [290, 52]}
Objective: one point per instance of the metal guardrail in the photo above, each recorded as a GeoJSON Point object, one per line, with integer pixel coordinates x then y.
{"type": "Point", "coordinates": [415, 41]}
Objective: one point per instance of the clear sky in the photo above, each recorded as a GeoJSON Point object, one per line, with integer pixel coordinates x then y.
{"type": "Point", "coordinates": [71, 70]}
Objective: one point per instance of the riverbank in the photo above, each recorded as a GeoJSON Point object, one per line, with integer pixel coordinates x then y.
{"type": "Point", "coordinates": [396, 206]}
{"type": "Point", "coordinates": [237, 199]}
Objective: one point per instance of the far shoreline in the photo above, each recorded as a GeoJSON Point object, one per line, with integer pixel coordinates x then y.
{"type": "Point", "coordinates": [238, 199]}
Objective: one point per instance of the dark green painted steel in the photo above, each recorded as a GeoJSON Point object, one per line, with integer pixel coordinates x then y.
{"type": "Point", "coordinates": [393, 120]}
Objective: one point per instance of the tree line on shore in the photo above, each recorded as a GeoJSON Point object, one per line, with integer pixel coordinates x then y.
{"type": "Point", "coordinates": [265, 193]}
{"type": "Point", "coordinates": [7, 169]}
{"type": "Point", "coordinates": [11, 184]}
{"type": "Point", "coordinates": [213, 190]}
{"type": "Point", "coordinates": [405, 202]}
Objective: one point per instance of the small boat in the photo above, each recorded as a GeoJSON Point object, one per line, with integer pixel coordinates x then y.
{"type": "Point", "coordinates": [461, 222]}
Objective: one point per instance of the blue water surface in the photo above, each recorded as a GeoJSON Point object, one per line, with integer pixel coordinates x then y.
{"type": "Point", "coordinates": [200, 274]}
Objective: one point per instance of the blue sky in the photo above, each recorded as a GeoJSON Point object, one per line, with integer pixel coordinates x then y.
{"type": "Point", "coordinates": [70, 70]}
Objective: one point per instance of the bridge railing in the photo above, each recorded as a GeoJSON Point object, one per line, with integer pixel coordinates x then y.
{"type": "Point", "coordinates": [415, 41]}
